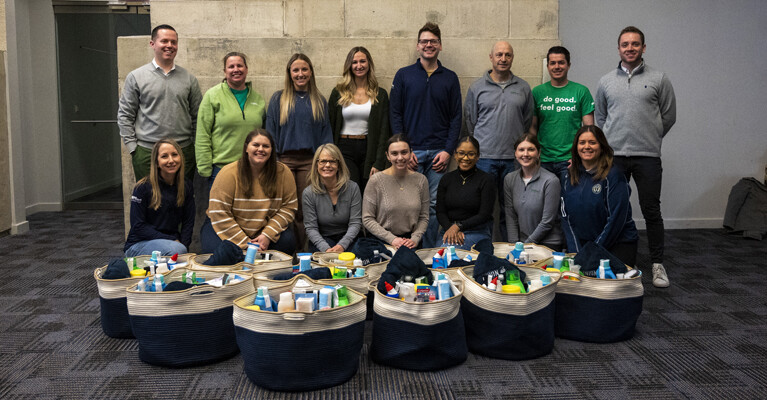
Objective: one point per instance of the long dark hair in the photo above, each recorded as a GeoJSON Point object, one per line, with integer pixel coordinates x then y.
{"type": "Point", "coordinates": [268, 176]}
{"type": "Point", "coordinates": [604, 162]}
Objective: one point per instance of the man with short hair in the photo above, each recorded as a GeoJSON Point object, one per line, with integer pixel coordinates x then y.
{"type": "Point", "coordinates": [636, 107]}
{"type": "Point", "coordinates": [159, 101]}
{"type": "Point", "coordinates": [499, 109]}
{"type": "Point", "coordinates": [425, 105]}
{"type": "Point", "coordinates": [561, 106]}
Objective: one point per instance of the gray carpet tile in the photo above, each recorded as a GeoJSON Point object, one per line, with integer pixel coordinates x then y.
{"type": "Point", "coordinates": [704, 337]}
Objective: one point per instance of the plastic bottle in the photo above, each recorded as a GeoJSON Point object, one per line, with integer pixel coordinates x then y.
{"type": "Point", "coordinates": [450, 255]}
{"type": "Point", "coordinates": [155, 256]}
{"type": "Point", "coordinates": [438, 260]}
{"type": "Point", "coordinates": [604, 271]}
{"type": "Point", "coordinates": [326, 299]}
{"type": "Point", "coordinates": [523, 258]}
{"type": "Point", "coordinates": [519, 247]}
{"type": "Point", "coordinates": [347, 258]}
{"type": "Point", "coordinates": [443, 288]}
{"type": "Point", "coordinates": [391, 291]}
{"type": "Point", "coordinates": [545, 279]}
{"type": "Point", "coordinates": [359, 272]}
{"type": "Point", "coordinates": [250, 256]}
{"type": "Point", "coordinates": [565, 265]}
{"type": "Point", "coordinates": [158, 283]}
{"type": "Point", "coordinates": [343, 296]}
{"type": "Point", "coordinates": [512, 278]}
{"type": "Point", "coordinates": [558, 258]}
{"type": "Point", "coordinates": [286, 302]}
{"type": "Point", "coordinates": [260, 301]}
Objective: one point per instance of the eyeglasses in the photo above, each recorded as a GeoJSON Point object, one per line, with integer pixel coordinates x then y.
{"type": "Point", "coordinates": [424, 42]}
{"type": "Point", "coordinates": [327, 162]}
{"type": "Point", "coordinates": [462, 154]}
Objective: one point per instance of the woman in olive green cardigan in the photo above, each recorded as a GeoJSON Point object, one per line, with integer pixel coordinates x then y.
{"type": "Point", "coordinates": [359, 117]}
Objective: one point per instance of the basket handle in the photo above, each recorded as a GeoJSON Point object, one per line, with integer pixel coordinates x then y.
{"type": "Point", "coordinates": [294, 316]}
{"type": "Point", "coordinates": [203, 293]}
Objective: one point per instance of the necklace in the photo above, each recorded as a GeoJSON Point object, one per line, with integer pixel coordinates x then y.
{"type": "Point", "coordinates": [464, 178]}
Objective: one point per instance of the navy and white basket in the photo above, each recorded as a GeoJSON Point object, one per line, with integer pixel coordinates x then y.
{"type": "Point", "coordinates": [510, 326]}
{"type": "Point", "coordinates": [598, 310]}
{"type": "Point", "coordinates": [427, 256]}
{"type": "Point", "coordinates": [539, 255]}
{"type": "Point", "coordinates": [295, 351]}
{"type": "Point", "coordinates": [418, 336]}
{"type": "Point", "coordinates": [115, 321]}
{"type": "Point", "coordinates": [188, 327]}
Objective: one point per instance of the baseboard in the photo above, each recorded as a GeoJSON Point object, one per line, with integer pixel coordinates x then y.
{"type": "Point", "coordinates": [19, 228]}
{"type": "Point", "coordinates": [43, 207]}
{"type": "Point", "coordinates": [686, 223]}
{"type": "Point", "coordinates": [91, 189]}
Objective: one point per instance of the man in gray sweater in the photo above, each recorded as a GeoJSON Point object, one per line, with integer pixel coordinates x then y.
{"type": "Point", "coordinates": [159, 101]}
{"type": "Point", "coordinates": [636, 107]}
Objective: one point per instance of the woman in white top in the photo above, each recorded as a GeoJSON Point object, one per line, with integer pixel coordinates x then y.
{"type": "Point", "coordinates": [359, 117]}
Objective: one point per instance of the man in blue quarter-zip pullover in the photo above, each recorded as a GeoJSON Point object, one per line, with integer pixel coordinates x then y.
{"type": "Point", "coordinates": [499, 109]}
{"type": "Point", "coordinates": [425, 105]}
{"type": "Point", "coordinates": [159, 101]}
{"type": "Point", "coordinates": [635, 106]}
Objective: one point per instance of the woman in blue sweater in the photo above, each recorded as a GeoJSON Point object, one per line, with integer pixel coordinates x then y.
{"type": "Point", "coordinates": [596, 194]}
{"type": "Point", "coordinates": [161, 203]}
{"type": "Point", "coordinates": [298, 120]}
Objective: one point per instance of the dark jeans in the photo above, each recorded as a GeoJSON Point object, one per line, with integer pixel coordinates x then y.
{"type": "Point", "coordinates": [558, 168]}
{"type": "Point", "coordinates": [332, 241]}
{"type": "Point", "coordinates": [498, 168]}
{"type": "Point", "coordinates": [648, 174]}
{"type": "Point", "coordinates": [210, 241]}
{"type": "Point", "coordinates": [626, 252]}
{"type": "Point", "coordinates": [141, 158]}
{"type": "Point", "coordinates": [354, 151]}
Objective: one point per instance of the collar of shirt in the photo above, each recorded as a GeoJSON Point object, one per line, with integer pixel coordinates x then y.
{"type": "Point", "coordinates": [156, 66]}
{"type": "Point", "coordinates": [626, 70]}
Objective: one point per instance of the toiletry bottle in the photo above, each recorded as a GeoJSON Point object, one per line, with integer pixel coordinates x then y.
{"type": "Point", "coordinates": [286, 302]}
{"type": "Point", "coordinates": [250, 256]}
{"type": "Point", "coordinates": [512, 278]}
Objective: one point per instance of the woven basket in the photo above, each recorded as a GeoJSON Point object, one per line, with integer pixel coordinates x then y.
{"type": "Point", "coordinates": [373, 270]}
{"type": "Point", "coordinates": [418, 336]}
{"type": "Point", "coordinates": [539, 255]}
{"type": "Point", "coordinates": [115, 321]}
{"type": "Point", "coordinates": [277, 259]}
{"type": "Point", "coordinates": [510, 326]}
{"type": "Point", "coordinates": [294, 351]}
{"type": "Point", "coordinates": [427, 256]}
{"type": "Point", "coordinates": [189, 327]}
{"type": "Point", "coordinates": [598, 310]}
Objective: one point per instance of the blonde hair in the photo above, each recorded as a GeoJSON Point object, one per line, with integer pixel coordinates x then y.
{"type": "Point", "coordinates": [288, 97]}
{"type": "Point", "coordinates": [342, 174]}
{"type": "Point", "coordinates": [347, 86]}
{"type": "Point", "coordinates": [154, 176]}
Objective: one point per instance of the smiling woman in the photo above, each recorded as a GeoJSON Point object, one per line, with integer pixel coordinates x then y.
{"type": "Point", "coordinates": [227, 113]}
{"type": "Point", "coordinates": [161, 203]}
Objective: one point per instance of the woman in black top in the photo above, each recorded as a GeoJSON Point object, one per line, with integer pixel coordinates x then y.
{"type": "Point", "coordinates": [465, 199]}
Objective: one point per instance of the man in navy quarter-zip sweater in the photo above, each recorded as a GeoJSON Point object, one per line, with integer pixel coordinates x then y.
{"type": "Point", "coordinates": [635, 106]}
{"type": "Point", "coordinates": [425, 105]}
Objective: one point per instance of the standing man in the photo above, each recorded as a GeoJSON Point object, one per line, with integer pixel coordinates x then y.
{"type": "Point", "coordinates": [425, 105]}
{"type": "Point", "coordinates": [499, 109]}
{"type": "Point", "coordinates": [636, 107]}
{"type": "Point", "coordinates": [159, 101]}
{"type": "Point", "coordinates": [561, 107]}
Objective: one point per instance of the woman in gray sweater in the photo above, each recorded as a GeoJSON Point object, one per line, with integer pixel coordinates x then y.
{"type": "Point", "coordinates": [532, 198]}
{"type": "Point", "coordinates": [396, 205]}
{"type": "Point", "coordinates": [332, 203]}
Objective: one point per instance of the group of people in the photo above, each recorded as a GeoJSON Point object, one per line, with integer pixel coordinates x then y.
{"type": "Point", "coordinates": [309, 170]}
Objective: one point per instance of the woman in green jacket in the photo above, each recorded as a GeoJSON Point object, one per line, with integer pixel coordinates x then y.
{"type": "Point", "coordinates": [228, 112]}
{"type": "Point", "coordinates": [359, 117]}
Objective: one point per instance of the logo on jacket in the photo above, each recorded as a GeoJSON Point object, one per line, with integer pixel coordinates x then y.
{"type": "Point", "coordinates": [596, 189]}
{"type": "Point", "coordinates": [135, 199]}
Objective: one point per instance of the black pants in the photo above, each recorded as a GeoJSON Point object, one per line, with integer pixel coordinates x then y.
{"type": "Point", "coordinates": [648, 174]}
{"type": "Point", "coordinates": [354, 151]}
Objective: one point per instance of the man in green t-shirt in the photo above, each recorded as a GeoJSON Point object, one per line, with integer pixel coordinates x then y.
{"type": "Point", "coordinates": [561, 107]}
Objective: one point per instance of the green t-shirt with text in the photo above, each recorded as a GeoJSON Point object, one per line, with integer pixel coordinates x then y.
{"type": "Point", "coordinates": [559, 112]}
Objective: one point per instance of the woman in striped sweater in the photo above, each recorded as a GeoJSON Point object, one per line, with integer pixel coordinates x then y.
{"type": "Point", "coordinates": [253, 200]}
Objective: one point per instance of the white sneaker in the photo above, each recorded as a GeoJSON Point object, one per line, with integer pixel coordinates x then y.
{"type": "Point", "coordinates": [659, 276]}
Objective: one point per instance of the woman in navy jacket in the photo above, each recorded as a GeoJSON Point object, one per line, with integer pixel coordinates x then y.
{"type": "Point", "coordinates": [595, 196]}
{"type": "Point", "coordinates": [162, 206]}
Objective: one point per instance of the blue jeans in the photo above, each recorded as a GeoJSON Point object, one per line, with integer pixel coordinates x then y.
{"type": "Point", "coordinates": [212, 177]}
{"type": "Point", "coordinates": [425, 158]}
{"type": "Point", "coordinates": [558, 168]}
{"type": "Point", "coordinates": [498, 169]}
{"type": "Point", "coordinates": [210, 241]}
{"type": "Point", "coordinates": [471, 237]}
{"type": "Point", "coordinates": [165, 246]}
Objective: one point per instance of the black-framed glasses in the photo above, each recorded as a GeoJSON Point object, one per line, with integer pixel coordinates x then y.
{"type": "Point", "coordinates": [424, 42]}
{"type": "Point", "coordinates": [462, 154]}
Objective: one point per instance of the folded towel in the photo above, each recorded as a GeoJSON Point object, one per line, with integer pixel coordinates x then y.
{"type": "Point", "coordinates": [314, 273]}
{"type": "Point", "coordinates": [117, 269]}
{"type": "Point", "coordinates": [227, 253]}
{"type": "Point", "coordinates": [589, 256]}
{"type": "Point", "coordinates": [363, 249]}
{"type": "Point", "coordinates": [404, 263]}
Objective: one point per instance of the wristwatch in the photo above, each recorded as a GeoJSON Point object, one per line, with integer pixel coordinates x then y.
{"type": "Point", "coordinates": [459, 224]}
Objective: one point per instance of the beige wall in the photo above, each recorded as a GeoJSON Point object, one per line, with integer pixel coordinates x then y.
{"type": "Point", "coordinates": [269, 31]}
{"type": "Point", "coordinates": [5, 172]}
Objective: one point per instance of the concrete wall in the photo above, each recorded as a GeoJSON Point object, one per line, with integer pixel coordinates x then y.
{"type": "Point", "coordinates": [713, 54]}
{"type": "Point", "coordinates": [269, 31]}
{"type": "Point", "coordinates": [5, 172]}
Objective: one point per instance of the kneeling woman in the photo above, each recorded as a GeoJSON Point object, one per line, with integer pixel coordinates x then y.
{"type": "Point", "coordinates": [332, 203]}
{"type": "Point", "coordinates": [161, 203]}
{"type": "Point", "coordinates": [596, 199]}
{"type": "Point", "coordinates": [465, 199]}
{"type": "Point", "coordinates": [395, 208]}
{"type": "Point", "coordinates": [253, 200]}
{"type": "Point", "coordinates": [532, 198]}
